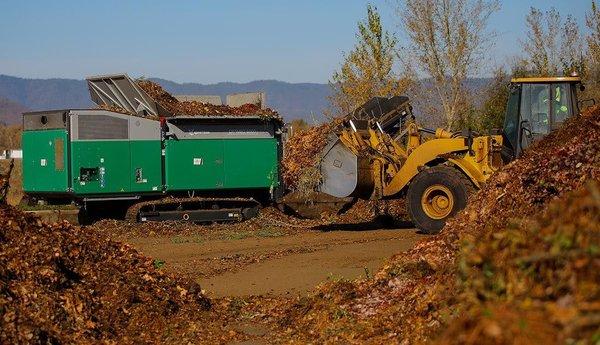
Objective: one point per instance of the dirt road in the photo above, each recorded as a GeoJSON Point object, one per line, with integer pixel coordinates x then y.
{"type": "Point", "coordinates": [273, 263]}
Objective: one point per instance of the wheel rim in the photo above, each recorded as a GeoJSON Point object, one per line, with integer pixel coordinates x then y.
{"type": "Point", "coordinates": [437, 201]}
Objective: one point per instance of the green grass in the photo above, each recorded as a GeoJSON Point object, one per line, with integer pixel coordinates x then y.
{"type": "Point", "coordinates": [158, 263]}
{"type": "Point", "coordinates": [46, 207]}
{"type": "Point", "coordinates": [269, 232]}
{"type": "Point", "coordinates": [187, 239]}
{"type": "Point", "coordinates": [264, 232]}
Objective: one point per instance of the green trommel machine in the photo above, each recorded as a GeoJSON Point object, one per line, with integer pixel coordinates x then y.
{"type": "Point", "coordinates": [211, 167]}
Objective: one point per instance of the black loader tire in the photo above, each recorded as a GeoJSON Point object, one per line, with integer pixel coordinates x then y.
{"type": "Point", "coordinates": [446, 179]}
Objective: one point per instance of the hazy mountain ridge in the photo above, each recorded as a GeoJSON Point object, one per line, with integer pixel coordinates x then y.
{"type": "Point", "coordinates": [40, 94]}
{"type": "Point", "coordinates": [10, 111]}
{"type": "Point", "coordinates": [292, 100]}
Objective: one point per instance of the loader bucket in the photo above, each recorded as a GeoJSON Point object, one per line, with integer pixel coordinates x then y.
{"type": "Point", "coordinates": [344, 174]}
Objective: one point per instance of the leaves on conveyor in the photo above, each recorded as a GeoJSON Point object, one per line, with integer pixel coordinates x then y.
{"type": "Point", "coordinates": [194, 108]}
{"type": "Point", "coordinates": [302, 155]}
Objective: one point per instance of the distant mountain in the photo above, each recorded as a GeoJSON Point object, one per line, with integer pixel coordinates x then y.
{"type": "Point", "coordinates": [10, 111]}
{"type": "Point", "coordinates": [42, 94]}
{"type": "Point", "coordinates": [291, 100]}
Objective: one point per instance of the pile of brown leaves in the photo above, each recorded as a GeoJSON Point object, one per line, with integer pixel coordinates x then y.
{"type": "Point", "coordinates": [507, 249]}
{"type": "Point", "coordinates": [302, 155]}
{"type": "Point", "coordinates": [61, 284]}
{"type": "Point", "coordinates": [194, 108]}
{"type": "Point", "coordinates": [536, 280]}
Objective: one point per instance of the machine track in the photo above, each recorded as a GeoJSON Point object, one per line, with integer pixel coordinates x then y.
{"type": "Point", "coordinates": [194, 209]}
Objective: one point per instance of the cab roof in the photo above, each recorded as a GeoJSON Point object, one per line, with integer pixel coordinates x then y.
{"type": "Point", "coordinates": [532, 80]}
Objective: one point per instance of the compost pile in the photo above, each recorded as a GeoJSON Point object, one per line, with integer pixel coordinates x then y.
{"type": "Point", "coordinates": [543, 273]}
{"type": "Point", "coordinates": [520, 264]}
{"type": "Point", "coordinates": [62, 284]}
{"type": "Point", "coordinates": [194, 108]}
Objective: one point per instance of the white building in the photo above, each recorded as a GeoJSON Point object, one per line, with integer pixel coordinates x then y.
{"type": "Point", "coordinates": [10, 154]}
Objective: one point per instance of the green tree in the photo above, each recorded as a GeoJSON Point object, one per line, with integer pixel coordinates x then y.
{"type": "Point", "coordinates": [494, 104]}
{"type": "Point", "coordinates": [369, 69]}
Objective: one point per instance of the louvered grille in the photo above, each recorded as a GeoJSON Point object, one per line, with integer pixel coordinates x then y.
{"type": "Point", "coordinates": [102, 127]}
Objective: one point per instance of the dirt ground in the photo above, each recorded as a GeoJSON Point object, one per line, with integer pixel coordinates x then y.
{"type": "Point", "coordinates": [274, 262]}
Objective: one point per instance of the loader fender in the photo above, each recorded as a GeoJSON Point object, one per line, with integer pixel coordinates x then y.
{"type": "Point", "coordinates": [419, 157]}
{"type": "Point", "coordinates": [468, 169]}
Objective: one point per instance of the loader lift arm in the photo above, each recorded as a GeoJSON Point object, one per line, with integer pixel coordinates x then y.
{"type": "Point", "coordinates": [440, 166]}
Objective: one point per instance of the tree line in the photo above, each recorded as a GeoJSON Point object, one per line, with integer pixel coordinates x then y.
{"type": "Point", "coordinates": [446, 43]}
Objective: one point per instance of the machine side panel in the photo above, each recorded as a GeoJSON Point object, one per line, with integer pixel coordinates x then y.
{"type": "Point", "coordinates": [251, 163]}
{"type": "Point", "coordinates": [114, 153]}
{"type": "Point", "coordinates": [146, 158]}
{"type": "Point", "coordinates": [146, 171]}
{"type": "Point", "coordinates": [101, 166]}
{"type": "Point", "coordinates": [194, 164]}
{"type": "Point", "coordinates": [45, 161]}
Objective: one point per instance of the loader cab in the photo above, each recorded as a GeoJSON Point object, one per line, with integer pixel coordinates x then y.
{"type": "Point", "coordinates": [536, 106]}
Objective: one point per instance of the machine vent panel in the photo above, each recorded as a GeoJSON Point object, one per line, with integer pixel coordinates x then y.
{"type": "Point", "coordinates": [102, 127]}
{"type": "Point", "coordinates": [59, 154]}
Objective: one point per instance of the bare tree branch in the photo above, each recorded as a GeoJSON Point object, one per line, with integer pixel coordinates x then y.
{"type": "Point", "coordinates": [448, 40]}
{"type": "Point", "coordinates": [552, 47]}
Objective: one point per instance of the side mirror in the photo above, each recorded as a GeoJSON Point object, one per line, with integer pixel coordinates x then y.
{"type": "Point", "coordinates": [586, 103]}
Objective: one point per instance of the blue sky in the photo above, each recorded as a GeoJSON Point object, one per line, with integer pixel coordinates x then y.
{"type": "Point", "coordinates": [209, 41]}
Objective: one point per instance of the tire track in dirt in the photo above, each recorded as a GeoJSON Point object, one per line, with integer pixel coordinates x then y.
{"type": "Point", "coordinates": [276, 265]}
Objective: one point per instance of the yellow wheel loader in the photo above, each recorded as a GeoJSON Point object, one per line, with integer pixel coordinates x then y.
{"type": "Point", "coordinates": [379, 152]}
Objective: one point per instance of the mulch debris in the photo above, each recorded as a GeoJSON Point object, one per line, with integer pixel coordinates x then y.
{"type": "Point", "coordinates": [519, 264]}
{"type": "Point", "coordinates": [64, 284]}
{"type": "Point", "coordinates": [302, 155]}
{"type": "Point", "coordinates": [361, 212]}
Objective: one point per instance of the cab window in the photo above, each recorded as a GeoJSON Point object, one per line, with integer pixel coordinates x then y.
{"type": "Point", "coordinates": [561, 103]}
{"type": "Point", "coordinates": [535, 108]}
{"type": "Point", "coordinates": [511, 121]}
